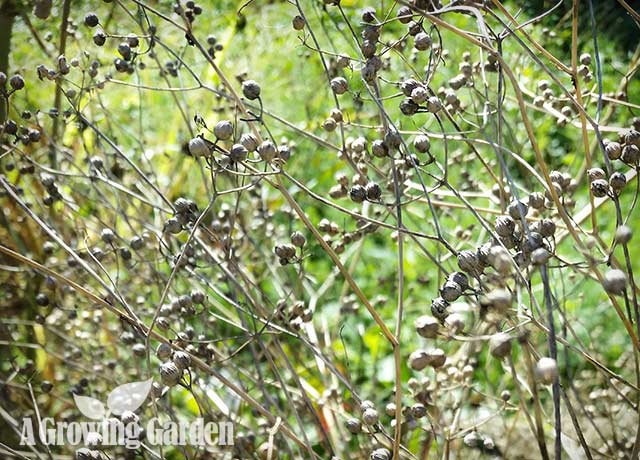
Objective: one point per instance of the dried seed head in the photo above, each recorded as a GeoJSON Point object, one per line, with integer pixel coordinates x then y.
{"type": "Point", "coordinates": [437, 357]}
{"type": "Point", "coordinates": [434, 105]}
{"type": "Point", "coordinates": [499, 299]}
{"type": "Point", "coordinates": [298, 22]}
{"type": "Point", "coordinates": [450, 291]}
{"type": "Point", "coordinates": [238, 153]}
{"type": "Point", "coordinates": [408, 107]}
{"type": "Point", "coordinates": [329, 124]}
{"type": "Point", "coordinates": [380, 454]}
{"type": "Point", "coordinates": [198, 147]}
{"type": "Point", "coordinates": [337, 115]}
{"type": "Point", "coordinates": [163, 351]}
{"type": "Point", "coordinates": [223, 130]}
{"type": "Point", "coordinates": [285, 251]}
{"type": "Point", "coordinates": [422, 143]}
{"type": "Point", "coordinates": [460, 278]}
{"type": "Point", "coordinates": [370, 416]}
{"type": "Point", "coordinates": [251, 89]}
{"type": "Point", "coordinates": [546, 370]}
{"type": "Point", "coordinates": [267, 150]}
{"type": "Point", "coordinates": [16, 82]}
{"type": "Point", "coordinates": [617, 181]}
{"type": "Point", "coordinates": [353, 425]}
{"type": "Point", "coordinates": [422, 41]}
{"type": "Point", "coordinates": [427, 326]}
{"type": "Point", "coordinates": [339, 85]}
{"type": "Point", "coordinates": [418, 360]}
{"type": "Point", "coordinates": [518, 210]}
{"type": "Point", "coordinates": [540, 256]}
{"type": "Point", "coordinates": [379, 149]}
{"type": "Point", "coordinates": [373, 190]}
{"type": "Point", "coordinates": [613, 150]}
{"type": "Point", "coordinates": [500, 345]}
{"type": "Point", "coordinates": [595, 174]}
{"type": "Point", "coordinates": [170, 373]}
{"type": "Point", "coordinates": [419, 95]}
{"type": "Point", "coordinates": [505, 225]}
{"type": "Point", "coordinates": [91, 20]}
{"type": "Point", "coordinates": [599, 188]}
{"type": "Point", "coordinates": [181, 359]}
{"type": "Point", "coordinates": [585, 59]}
{"type": "Point", "coordinates": [630, 154]}
{"type": "Point", "coordinates": [615, 282]}
{"type": "Point", "coordinates": [472, 440]}
{"type": "Point", "coordinates": [468, 262]}
{"type": "Point", "coordinates": [250, 142]}
{"type": "Point", "coordinates": [623, 234]}
{"type": "Point", "coordinates": [107, 235]}
{"type": "Point", "coordinates": [358, 193]}
{"type": "Point", "coordinates": [439, 308]}
{"type": "Point", "coordinates": [409, 85]}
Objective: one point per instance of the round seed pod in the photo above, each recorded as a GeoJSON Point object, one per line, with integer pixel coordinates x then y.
{"type": "Point", "coordinates": [338, 191]}
{"type": "Point", "coordinates": [623, 234]}
{"type": "Point", "coordinates": [404, 15]}
{"type": "Point", "coordinates": [298, 22]}
{"type": "Point", "coordinates": [91, 20]}
{"type": "Point", "coordinates": [547, 228]}
{"type": "Point", "coordinates": [460, 278]}
{"type": "Point", "coordinates": [85, 453]}
{"type": "Point", "coordinates": [439, 309]}
{"type": "Point", "coordinates": [172, 225]}
{"type": "Point", "coordinates": [418, 360]}
{"type": "Point", "coordinates": [499, 299]}
{"type": "Point", "coordinates": [42, 299]}
{"type": "Point", "coordinates": [422, 143]}
{"type": "Point", "coordinates": [298, 239]}
{"type": "Point", "coordinates": [380, 454]}
{"type": "Point", "coordinates": [329, 125]}
{"type": "Point", "coordinates": [427, 326]}
{"type": "Point", "coordinates": [16, 82]}
{"type": "Point", "coordinates": [353, 425]}
{"type": "Point", "coordinates": [358, 194]}
{"type": "Point", "coordinates": [390, 409]}
{"type": "Point", "coordinates": [617, 181]}
{"type": "Point", "coordinates": [505, 395]}
{"type": "Point", "coordinates": [370, 417]}
{"type": "Point", "coordinates": [251, 89]}
{"type": "Point", "coordinates": [339, 85]}
{"type": "Point", "coordinates": [434, 105]}
{"type": "Point", "coordinates": [129, 417]}
{"type": "Point", "coordinates": [107, 235]}
{"type": "Point", "coordinates": [613, 150]}
{"type": "Point", "coordinates": [136, 243]}
{"type": "Point", "coordinates": [540, 256]}
{"type": "Point", "coordinates": [170, 374]}
{"type": "Point", "coordinates": [238, 153]}
{"type": "Point", "coordinates": [267, 150]}
{"type": "Point", "coordinates": [419, 95]}
{"type": "Point", "coordinates": [249, 141]}
{"type": "Point", "coordinates": [379, 149]}
{"type": "Point", "coordinates": [99, 38]}
{"type": "Point", "coordinates": [518, 210]}
{"type": "Point", "coordinates": [181, 359]}
{"type": "Point", "coordinates": [408, 107]}
{"type": "Point", "coordinates": [585, 59]}
{"type": "Point", "coordinates": [125, 51]}
{"type": "Point", "coordinates": [629, 136]}
{"type": "Point", "coordinates": [337, 115]}
{"type": "Point", "coordinates": [505, 225]}
{"type": "Point", "coordinates": [368, 48]}
{"type": "Point", "coordinates": [265, 447]}
{"type": "Point", "coordinates": [408, 86]}
{"type": "Point", "coordinates": [450, 291]}
{"type": "Point", "coordinates": [163, 351]}
{"type": "Point", "coordinates": [468, 262]}
{"type": "Point", "coordinates": [546, 370]}
{"type": "Point", "coordinates": [418, 410]}
{"type": "Point", "coordinates": [285, 251]}
{"type": "Point", "coordinates": [373, 190]}
{"type": "Point", "coordinates": [198, 147]}
{"type": "Point", "coordinates": [366, 404]}
{"type": "Point", "coordinates": [422, 41]}
{"type": "Point", "coordinates": [630, 154]}
{"type": "Point", "coordinates": [437, 357]}
{"type": "Point", "coordinates": [615, 282]}
{"type": "Point", "coordinates": [223, 130]}
{"type": "Point", "coordinates": [599, 188]}
{"type": "Point", "coordinates": [595, 174]}
{"type": "Point", "coordinates": [500, 345]}
{"type": "Point", "coordinates": [455, 322]}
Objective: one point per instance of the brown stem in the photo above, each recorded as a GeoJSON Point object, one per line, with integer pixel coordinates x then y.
{"type": "Point", "coordinates": [7, 16]}
{"type": "Point", "coordinates": [66, 7]}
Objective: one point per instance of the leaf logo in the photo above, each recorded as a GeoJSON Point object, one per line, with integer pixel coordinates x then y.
{"type": "Point", "coordinates": [127, 397]}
